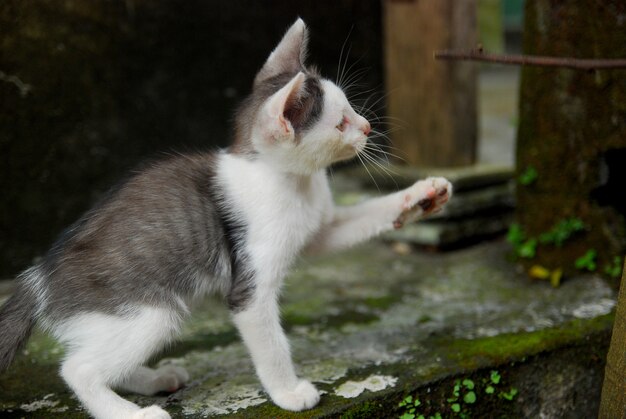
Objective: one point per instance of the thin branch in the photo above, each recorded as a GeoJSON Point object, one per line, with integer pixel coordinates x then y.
{"type": "Point", "coordinates": [532, 60]}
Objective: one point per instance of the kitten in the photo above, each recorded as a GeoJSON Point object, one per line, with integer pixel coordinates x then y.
{"type": "Point", "coordinates": [117, 285]}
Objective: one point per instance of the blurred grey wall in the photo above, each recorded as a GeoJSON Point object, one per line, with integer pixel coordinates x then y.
{"type": "Point", "coordinates": [89, 88]}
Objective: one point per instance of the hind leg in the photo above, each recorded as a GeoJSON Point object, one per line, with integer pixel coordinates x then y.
{"type": "Point", "coordinates": [148, 381]}
{"type": "Point", "coordinates": [103, 349]}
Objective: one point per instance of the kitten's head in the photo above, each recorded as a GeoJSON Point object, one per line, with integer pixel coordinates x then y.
{"type": "Point", "coordinates": [295, 119]}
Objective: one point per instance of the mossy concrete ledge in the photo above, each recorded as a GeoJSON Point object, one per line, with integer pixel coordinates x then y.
{"type": "Point", "coordinates": [374, 329]}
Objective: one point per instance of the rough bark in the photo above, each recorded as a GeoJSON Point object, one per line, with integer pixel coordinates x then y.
{"type": "Point", "coordinates": [613, 402]}
{"type": "Point", "coordinates": [572, 130]}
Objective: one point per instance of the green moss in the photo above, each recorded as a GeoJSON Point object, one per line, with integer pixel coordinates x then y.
{"type": "Point", "coordinates": [471, 353]}
{"type": "Point", "coordinates": [201, 342]}
{"type": "Point", "coordinates": [382, 303]}
{"type": "Point", "coordinates": [365, 410]}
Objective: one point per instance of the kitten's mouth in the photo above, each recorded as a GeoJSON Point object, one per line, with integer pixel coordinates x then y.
{"type": "Point", "coordinates": [359, 146]}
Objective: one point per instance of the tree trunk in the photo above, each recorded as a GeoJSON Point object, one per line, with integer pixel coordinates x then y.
{"type": "Point", "coordinates": [613, 402]}
{"type": "Point", "coordinates": [572, 133]}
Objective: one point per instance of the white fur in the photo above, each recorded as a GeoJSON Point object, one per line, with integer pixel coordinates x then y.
{"type": "Point", "coordinates": [286, 212]}
{"type": "Point", "coordinates": [147, 381]}
{"type": "Point", "coordinates": [107, 350]}
{"type": "Point", "coordinates": [274, 138]}
{"type": "Point", "coordinates": [282, 212]}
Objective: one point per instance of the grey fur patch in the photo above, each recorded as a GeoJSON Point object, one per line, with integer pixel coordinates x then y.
{"type": "Point", "coordinates": [303, 112]}
{"type": "Point", "coordinates": [160, 237]}
{"type": "Point", "coordinates": [17, 318]}
{"type": "Point", "coordinates": [242, 284]}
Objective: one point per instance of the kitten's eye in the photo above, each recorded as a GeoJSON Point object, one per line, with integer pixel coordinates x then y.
{"type": "Point", "coordinates": [342, 125]}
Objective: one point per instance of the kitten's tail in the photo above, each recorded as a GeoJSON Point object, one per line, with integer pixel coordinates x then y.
{"type": "Point", "coordinates": [17, 318]}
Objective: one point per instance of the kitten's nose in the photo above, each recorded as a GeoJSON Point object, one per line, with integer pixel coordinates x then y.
{"type": "Point", "coordinates": [367, 128]}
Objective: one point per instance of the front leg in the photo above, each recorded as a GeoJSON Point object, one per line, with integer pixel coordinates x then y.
{"type": "Point", "coordinates": [355, 224]}
{"type": "Point", "coordinates": [259, 326]}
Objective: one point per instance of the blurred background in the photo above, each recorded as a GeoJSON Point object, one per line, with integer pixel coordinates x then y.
{"type": "Point", "coordinates": [88, 89]}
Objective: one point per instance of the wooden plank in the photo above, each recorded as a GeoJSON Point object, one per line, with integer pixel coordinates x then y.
{"type": "Point", "coordinates": [434, 101]}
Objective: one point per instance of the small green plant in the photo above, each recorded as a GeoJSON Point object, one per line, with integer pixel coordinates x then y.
{"type": "Point", "coordinates": [587, 261]}
{"type": "Point", "coordinates": [470, 397]}
{"type": "Point", "coordinates": [468, 384]}
{"type": "Point", "coordinates": [465, 395]}
{"type": "Point", "coordinates": [463, 391]}
{"type": "Point", "coordinates": [528, 249]}
{"type": "Point", "coordinates": [614, 269]}
{"type": "Point", "coordinates": [495, 377]}
{"type": "Point", "coordinates": [562, 231]}
{"type": "Point", "coordinates": [410, 405]}
{"type": "Point", "coordinates": [515, 235]}
{"type": "Point", "coordinates": [509, 395]}
{"type": "Point", "coordinates": [528, 176]}
{"type": "Point", "coordinates": [525, 248]}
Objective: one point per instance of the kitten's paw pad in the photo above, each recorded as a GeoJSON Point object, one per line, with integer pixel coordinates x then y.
{"type": "Point", "coordinates": [151, 412]}
{"type": "Point", "coordinates": [170, 378]}
{"type": "Point", "coordinates": [303, 396]}
{"type": "Point", "coordinates": [425, 204]}
{"type": "Point", "coordinates": [423, 198]}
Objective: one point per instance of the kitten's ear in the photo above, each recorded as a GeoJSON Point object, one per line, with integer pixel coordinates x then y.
{"type": "Point", "coordinates": [289, 54]}
{"type": "Point", "coordinates": [274, 124]}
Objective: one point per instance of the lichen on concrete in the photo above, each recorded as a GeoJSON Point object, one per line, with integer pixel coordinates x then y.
{"type": "Point", "coordinates": [373, 383]}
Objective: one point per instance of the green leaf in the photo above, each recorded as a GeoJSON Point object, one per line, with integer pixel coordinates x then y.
{"type": "Point", "coordinates": [528, 176]}
{"type": "Point", "coordinates": [562, 231]}
{"type": "Point", "coordinates": [490, 390]}
{"type": "Point", "coordinates": [407, 416]}
{"type": "Point", "coordinates": [528, 249]}
{"type": "Point", "coordinates": [515, 235]}
{"type": "Point", "coordinates": [417, 402]}
{"type": "Point", "coordinates": [614, 270]}
{"type": "Point", "coordinates": [470, 397]}
{"type": "Point", "coordinates": [576, 224]}
{"type": "Point", "coordinates": [469, 384]}
{"type": "Point", "coordinates": [456, 408]}
{"type": "Point", "coordinates": [587, 261]}
{"type": "Point", "coordinates": [457, 388]}
{"type": "Point", "coordinates": [547, 237]}
{"type": "Point", "coordinates": [510, 395]}
{"type": "Point", "coordinates": [495, 377]}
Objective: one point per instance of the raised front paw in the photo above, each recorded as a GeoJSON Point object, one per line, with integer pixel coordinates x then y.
{"type": "Point", "coordinates": [303, 396]}
{"type": "Point", "coordinates": [423, 198]}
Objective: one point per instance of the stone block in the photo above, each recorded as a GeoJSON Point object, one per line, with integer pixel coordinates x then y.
{"type": "Point", "coordinates": [370, 327]}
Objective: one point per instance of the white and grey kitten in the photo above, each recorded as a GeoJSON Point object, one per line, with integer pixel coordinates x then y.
{"type": "Point", "coordinates": [117, 285]}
